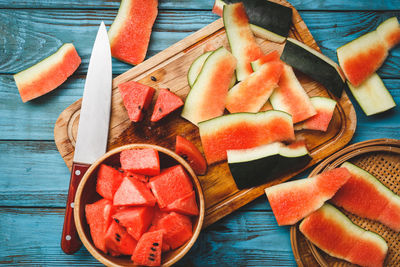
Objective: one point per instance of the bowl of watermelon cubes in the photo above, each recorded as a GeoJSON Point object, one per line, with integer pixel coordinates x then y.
{"type": "Point", "coordinates": [139, 204]}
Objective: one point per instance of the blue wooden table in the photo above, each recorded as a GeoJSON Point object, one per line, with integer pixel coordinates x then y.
{"type": "Point", "coordinates": [33, 177]}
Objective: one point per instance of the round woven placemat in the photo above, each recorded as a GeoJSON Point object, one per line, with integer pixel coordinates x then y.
{"type": "Point", "coordinates": [380, 157]}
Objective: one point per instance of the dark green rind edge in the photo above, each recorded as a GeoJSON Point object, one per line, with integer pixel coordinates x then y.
{"type": "Point", "coordinates": [313, 66]}
{"type": "Point", "coordinates": [270, 16]}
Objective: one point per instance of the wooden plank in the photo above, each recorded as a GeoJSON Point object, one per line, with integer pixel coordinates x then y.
{"type": "Point", "coordinates": [31, 35]}
{"type": "Point", "coordinates": [242, 239]}
{"type": "Point", "coordinates": [203, 4]}
{"type": "Point", "coordinates": [170, 68]}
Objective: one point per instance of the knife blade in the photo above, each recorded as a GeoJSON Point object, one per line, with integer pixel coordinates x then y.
{"type": "Point", "coordinates": [93, 127]}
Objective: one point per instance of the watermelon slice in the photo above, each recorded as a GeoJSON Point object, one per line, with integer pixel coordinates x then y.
{"type": "Point", "coordinates": [130, 32]}
{"type": "Point", "coordinates": [177, 229]}
{"type": "Point", "coordinates": [108, 181]}
{"type": "Point", "coordinates": [243, 130]}
{"type": "Point", "coordinates": [365, 196]}
{"type": "Point", "coordinates": [196, 67]}
{"type": "Point", "coordinates": [334, 233]}
{"type": "Point", "coordinates": [136, 220]}
{"type": "Point", "coordinates": [294, 200]}
{"type": "Point", "coordinates": [118, 241]}
{"type": "Point", "coordinates": [186, 205]}
{"type": "Point", "coordinates": [98, 216]}
{"type": "Point", "coordinates": [325, 107]}
{"type": "Point", "coordinates": [268, 20]}
{"type": "Point", "coordinates": [191, 154]}
{"type": "Point", "coordinates": [361, 57]}
{"type": "Point", "coordinates": [316, 65]}
{"type": "Point", "coordinates": [142, 161]}
{"type": "Point", "coordinates": [133, 192]}
{"type": "Point", "coordinates": [291, 97]}
{"type": "Point", "coordinates": [212, 83]}
{"type": "Point", "coordinates": [372, 95]}
{"type": "Point", "coordinates": [251, 94]}
{"type": "Point", "coordinates": [272, 56]}
{"type": "Point", "coordinates": [48, 74]}
{"type": "Point", "coordinates": [136, 98]}
{"type": "Point", "coordinates": [165, 104]}
{"type": "Point", "coordinates": [241, 40]}
{"type": "Point", "coordinates": [389, 32]}
{"type": "Point", "coordinates": [148, 249]}
{"type": "Point", "coordinates": [173, 183]}
{"type": "Point", "coordinates": [255, 166]}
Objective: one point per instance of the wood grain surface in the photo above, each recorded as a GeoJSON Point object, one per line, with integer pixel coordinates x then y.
{"type": "Point", "coordinates": [32, 197]}
{"type": "Point", "coordinates": [170, 69]}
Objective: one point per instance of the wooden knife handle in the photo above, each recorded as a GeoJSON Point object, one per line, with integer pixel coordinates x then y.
{"type": "Point", "coordinates": [70, 242]}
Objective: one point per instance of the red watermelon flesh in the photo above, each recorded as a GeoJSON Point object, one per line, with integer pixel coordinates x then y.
{"type": "Point", "coordinates": [142, 161]}
{"type": "Point", "coordinates": [158, 215]}
{"type": "Point", "coordinates": [241, 39]}
{"type": "Point", "coordinates": [361, 57]}
{"type": "Point", "coordinates": [389, 31]}
{"type": "Point", "coordinates": [118, 241]}
{"type": "Point", "coordinates": [98, 216]}
{"type": "Point", "coordinates": [148, 249]}
{"type": "Point", "coordinates": [173, 183]}
{"type": "Point", "coordinates": [334, 233]}
{"type": "Point", "coordinates": [291, 97]}
{"type": "Point", "coordinates": [108, 181]}
{"type": "Point", "coordinates": [186, 205]}
{"type": "Point", "coordinates": [139, 177]}
{"type": "Point", "coordinates": [48, 74]}
{"type": "Point", "coordinates": [365, 196]}
{"type": "Point", "coordinates": [136, 220]}
{"type": "Point", "coordinates": [243, 130]}
{"type": "Point", "coordinates": [251, 94]}
{"type": "Point", "coordinates": [292, 201]}
{"type": "Point", "coordinates": [136, 97]}
{"type": "Point", "coordinates": [272, 56]}
{"type": "Point", "coordinates": [133, 192]}
{"type": "Point", "coordinates": [191, 154]}
{"type": "Point", "coordinates": [177, 229]}
{"type": "Point", "coordinates": [325, 107]}
{"type": "Point", "coordinates": [166, 103]}
{"type": "Point", "coordinates": [130, 32]}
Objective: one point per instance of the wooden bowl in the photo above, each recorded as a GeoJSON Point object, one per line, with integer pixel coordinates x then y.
{"type": "Point", "coordinates": [86, 194]}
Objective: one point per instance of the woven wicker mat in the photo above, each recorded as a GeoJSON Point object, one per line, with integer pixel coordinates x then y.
{"type": "Point", "coordinates": [381, 157]}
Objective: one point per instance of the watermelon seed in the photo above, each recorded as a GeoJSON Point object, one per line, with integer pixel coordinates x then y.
{"type": "Point", "coordinates": [154, 79]}
{"type": "Point", "coordinates": [152, 259]}
{"type": "Point", "coordinates": [139, 107]}
{"type": "Point", "coordinates": [116, 220]}
{"type": "Point", "coordinates": [153, 249]}
{"type": "Point", "coordinates": [117, 235]}
{"type": "Point", "coordinates": [185, 157]}
{"type": "Point", "coordinates": [159, 110]}
{"type": "Point", "coordinates": [155, 244]}
{"type": "Point", "coordinates": [117, 239]}
{"type": "Point", "coordinates": [121, 171]}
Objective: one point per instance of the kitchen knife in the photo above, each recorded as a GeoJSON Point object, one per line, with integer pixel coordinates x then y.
{"type": "Point", "coordinates": [93, 126]}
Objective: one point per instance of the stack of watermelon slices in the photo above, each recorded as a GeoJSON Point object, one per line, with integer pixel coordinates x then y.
{"type": "Point", "coordinates": [144, 211]}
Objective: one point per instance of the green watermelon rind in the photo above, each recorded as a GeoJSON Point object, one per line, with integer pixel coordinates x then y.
{"type": "Point", "coordinates": [254, 166]}
{"type": "Point", "coordinates": [381, 97]}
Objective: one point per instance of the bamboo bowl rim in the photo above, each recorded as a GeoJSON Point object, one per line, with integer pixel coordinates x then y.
{"type": "Point", "coordinates": [350, 152]}
{"type": "Point", "coordinates": [77, 209]}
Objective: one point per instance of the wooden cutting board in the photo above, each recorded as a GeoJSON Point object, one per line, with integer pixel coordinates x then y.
{"type": "Point", "coordinates": [170, 68]}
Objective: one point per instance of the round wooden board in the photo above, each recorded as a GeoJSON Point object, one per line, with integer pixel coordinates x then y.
{"type": "Point", "coordinates": [381, 157]}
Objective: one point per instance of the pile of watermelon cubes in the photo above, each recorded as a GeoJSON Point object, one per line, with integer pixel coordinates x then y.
{"type": "Point", "coordinates": [144, 211]}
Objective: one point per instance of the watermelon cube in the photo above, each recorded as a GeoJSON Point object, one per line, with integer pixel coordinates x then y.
{"type": "Point", "coordinates": [148, 249]}
{"type": "Point", "coordinates": [136, 220]}
{"type": "Point", "coordinates": [133, 192]}
{"type": "Point", "coordinates": [166, 103]}
{"type": "Point", "coordinates": [141, 161]}
{"type": "Point", "coordinates": [108, 181]}
{"type": "Point", "coordinates": [118, 241]}
{"type": "Point", "coordinates": [98, 216]}
{"type": "Point", "coordinates": [173, 183]}
{"type": "Point", "coordinates": [186, 205]}
{"type": "Point", "coordinates": [177, 229]}
{"type": "Point", "coordinates": [136, 98]}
